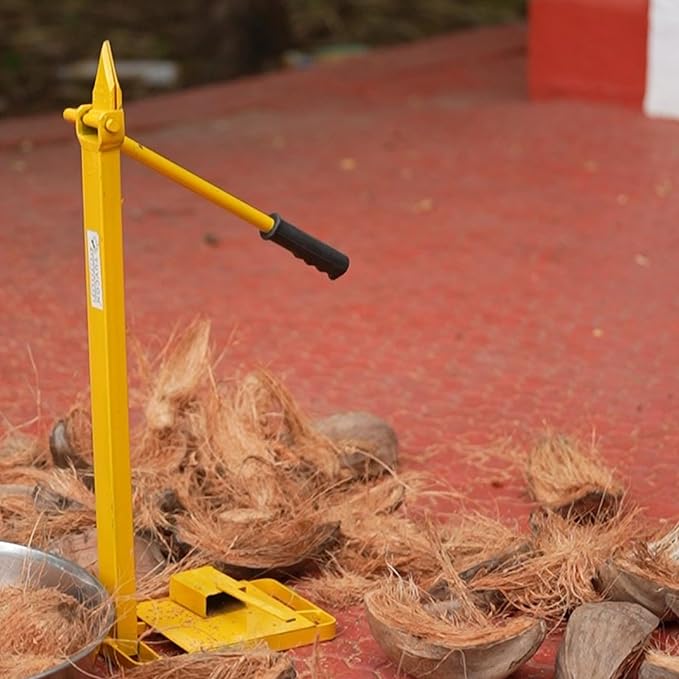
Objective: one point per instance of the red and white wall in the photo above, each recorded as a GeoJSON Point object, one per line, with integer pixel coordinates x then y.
{"type": "Point", "coordinates": [617, 50]}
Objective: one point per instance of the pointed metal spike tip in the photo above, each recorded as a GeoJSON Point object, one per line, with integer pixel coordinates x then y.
{"type": "Point", "coordinates": [106, 93]}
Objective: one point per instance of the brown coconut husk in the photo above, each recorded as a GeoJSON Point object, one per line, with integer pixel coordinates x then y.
{"type": "Point", "coordinates": [185, 365]}
{"type": "Point", "coordinates": [229, 664]}
{"type": "Point", "coordinates": [673, 603]}
{"type": "Point", "coordinates": [604, 641]}
{"type": "Point", "coordinates": [376, 534]}
{"type": "Point", "coordinates": [282, 544]}
{"type": "Point", "coordinates": [461, 641]}
{"type": "Point", "coordinates": [70, 442]}
{"type": "Point", "coordinates": [368, 445]}
{"type": "Point", "coordinates": [659, 665]}
{"type": "Point", "coordinates": [81, 548]}
{"type": "Point", "coordinates": [40, 629]}
{"type": "Point", "coordinates": [570, 479]}
{"type": "Point", "coordinates": [337, 588]}
{"type": "Point", "coordinates": [478, 543]}
{"type": "Point", "coordinates": [559, 573]}
{"type": "Point", "coordinates": [17, 490]}
{"type": "Point", "coordinates": [223, 453]}
{"type": "Point", "coordinates": [371, 540]}
{"type": "Point", "coordinates": [378, 537]}
{"type": "Point", "coordinates": [646, 573]}
{"type": "Point", "coordinates": [18, 449]}
{"type": "Point", "coordinates": [60, 504]}
{"type": "Point", "coordinates": [243, 445]}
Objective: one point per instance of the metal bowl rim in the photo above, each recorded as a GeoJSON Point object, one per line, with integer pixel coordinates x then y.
{"type": "Point", "coordinates": [79, 572]}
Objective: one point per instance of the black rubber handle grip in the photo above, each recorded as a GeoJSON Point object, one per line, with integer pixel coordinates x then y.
{"type": "Point", "coordinates": [306, 247]}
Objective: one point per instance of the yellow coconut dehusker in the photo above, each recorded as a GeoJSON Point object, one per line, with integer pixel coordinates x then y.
{"type": "Point", "coordinates": [206, 609]}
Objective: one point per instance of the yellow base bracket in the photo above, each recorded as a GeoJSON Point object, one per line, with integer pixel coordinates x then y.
{"type": "Point", "coordinates": [207, 610]}
{"type": "Point", "coordinates": [119, 653]}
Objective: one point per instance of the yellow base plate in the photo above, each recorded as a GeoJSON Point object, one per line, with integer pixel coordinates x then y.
{"type": "Point", "coordinates": [123, 655]}
{"type": "Point", "coordinates": [207, 610]}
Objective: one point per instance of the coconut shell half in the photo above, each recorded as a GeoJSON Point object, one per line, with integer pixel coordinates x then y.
{"type": "Point", "coordinates": [659, 666]}
{"type": "Point", "coordinates": [514, 553]}
{"type": "Point", "coordinates": [369, 445]}
{"type": "Point", "coordinates": [589, 505]}
{"type": "Point", "coordinates": [620, 584]}
{"type": "Point", "coordinates": [604, 640]}
{"type": "Point", "coordinates": [82, 549]}
{"type": "Point", "coordinates": [248, 561]}
{"type": "Point", "coordinates": [421, 658]}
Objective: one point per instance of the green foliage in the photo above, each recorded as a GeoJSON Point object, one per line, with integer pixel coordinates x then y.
{"type": "Point", "coordinates": [388, 21]}
{"type": "Point", "coordinates": [210, 39]}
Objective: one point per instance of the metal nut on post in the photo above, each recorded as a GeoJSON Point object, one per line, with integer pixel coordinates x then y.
{"type": "Point", "coordinates": [112, 125]}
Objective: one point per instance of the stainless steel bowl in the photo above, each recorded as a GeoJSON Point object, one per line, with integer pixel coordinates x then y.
{"type": "Point", "coordinates": [21, 565]}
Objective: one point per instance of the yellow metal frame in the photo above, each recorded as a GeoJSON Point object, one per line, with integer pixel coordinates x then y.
{"type": "Point", "coordinates": [100, 129]}
{"type": "Point", "coordinates": [102, 221]}
{"type": "Point", "coordinates": [207, 607]}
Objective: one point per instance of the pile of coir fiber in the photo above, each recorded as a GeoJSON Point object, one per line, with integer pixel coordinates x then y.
{"type": "Point", "coordinates": [488, 619]}
{"type": "Point", "coordinates": [226, 472]}
{"type": "Point", "coordinates": [230, 664]}
{"type": "Point", "coordinates": [230, 472]}
{"type": "Point", "coordinates": [40, 628]}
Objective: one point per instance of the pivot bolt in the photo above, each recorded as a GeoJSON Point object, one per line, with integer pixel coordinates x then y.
{"type": "Point", "coordinates": [112, 125]}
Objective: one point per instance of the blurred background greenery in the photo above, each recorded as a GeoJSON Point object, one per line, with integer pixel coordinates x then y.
{"type": "Point", "coordinates": [42, 42]}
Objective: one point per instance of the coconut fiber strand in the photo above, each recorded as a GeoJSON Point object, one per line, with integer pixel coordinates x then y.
{"type": "Point", "coordinates": [558, 573]}
{"type": "Point", "coordinates": [235, 664]}
{"type": "Point", "coordinates": [565, 476]}
{"type": "Point", "coordinates": [39, 628]}
{"type": "Point", "coordinates": [659, 665]}
{"type": "Point", "coordinates": [400, 604]}
{"type": "Point", "coordinates": [657, 558]}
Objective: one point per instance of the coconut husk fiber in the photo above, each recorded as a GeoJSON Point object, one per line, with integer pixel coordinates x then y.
{"type": "Point", "coordinates": [227, 471]}
{"type": "Point", "coordinates": [604, 641]}
{"type": "Point", "coordinates": [18, 449]}
{"type": "Point", "coordinates": [459, 641]}
{"type": "Point", "coordinates": [57, 504]}
{"type": "Point", "coordinates": [559, 572]}
{"type": "Point", "coordinates": [378, 537]}
{"type": "Point", "coordinates": [569, 478]}
{"type": "Point", "coordinates": [230, 664]}
{"type": "Point", "coordinates": [242, 465]}
{"type": "Point", "coordinates": [647, 572]}
{"type": "Point", "coordinates": [237, 455]}
{"type": "Point", "coordinates": [81, 548]}
{"type": "Point", "coordinates": [367, 444]}
{"type": "Point", "coordinates": [40, 628]}
{"type": "Point", "coordinates": [659, 665]}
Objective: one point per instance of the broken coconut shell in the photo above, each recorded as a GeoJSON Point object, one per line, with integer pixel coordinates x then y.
{"type": "Point", "coordinates": [565, 478]}
{"type": "Point", "coordinates": [278, 548]}
{"type": "Point", "coordinates": [658, 665]}
{"type": "Point", "coordinates": [512, 555]}
{"type": "Point", "coordinates": [619, 584]}
{"type": "Point", "coordinates": [473, 658]}
{"type": "Point", "coordinates": [82, 549]}
{"type": "Point", "coordinates": [44, 499]}
{"type": "Point", "coordinates": [71, 441]}
{"type": "Point", "coordinates": [672, 600]}
{"type": "Point", "coordinates": [604, 640]}
{"type": "Point", "coordinates": [368, 444]}
{"type": "Point", "coordinates": [485, 599]}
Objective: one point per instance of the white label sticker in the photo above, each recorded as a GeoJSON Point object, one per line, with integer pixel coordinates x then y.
{"type": "Point", "coordinates": [94, 267]}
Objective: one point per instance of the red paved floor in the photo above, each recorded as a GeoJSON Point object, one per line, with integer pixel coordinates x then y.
{"type": "Point", "coordinates": [512, 263]}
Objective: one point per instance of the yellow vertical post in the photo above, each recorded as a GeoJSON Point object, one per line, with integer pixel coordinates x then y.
{"type": "Point", "coordinates": [106, 330]}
